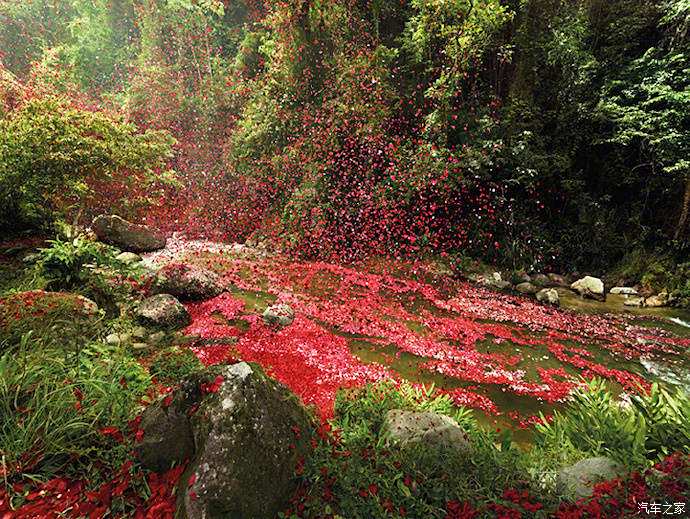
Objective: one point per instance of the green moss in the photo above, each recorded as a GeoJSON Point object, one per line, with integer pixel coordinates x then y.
{"type": "Point", "coordinates": [174, 364]}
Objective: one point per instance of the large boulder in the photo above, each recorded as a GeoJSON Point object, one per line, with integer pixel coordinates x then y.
{"type": "Point", "coordinates": [245, 435]}
{"type": "Point", "coordinates": [126, 235]}
{"type": "Point", "coordinates": [548, 296]}
{"type": "Point", "coordinates": [163, 310]}
{"type": "Point", "coordinates": [436, 430]}
{"type": "Point", "coordinates": [578, 480]}
{"type": "Point", "coordinates": [279, 315]}
{"type": "Point", "coordinates": [590, 287]}
{"type": "Point", "coordinates": [188, 282]}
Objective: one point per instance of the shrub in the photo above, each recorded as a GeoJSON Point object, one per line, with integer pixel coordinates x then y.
{"type": "Point", "coordinates": [52, 152]}
{"type": "Point", "coordinates": [595, 423]}
{"type": "Point", "coordinates": [88, 267]}
{"type": "Point", "coordinates": [352, 472]}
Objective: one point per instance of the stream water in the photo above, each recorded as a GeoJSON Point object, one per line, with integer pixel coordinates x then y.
{"type": "Point", "coordinates": [507, 357]}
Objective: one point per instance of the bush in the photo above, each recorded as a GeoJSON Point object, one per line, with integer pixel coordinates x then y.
{"type": "Point", "coordinates": [88, 267]}
{"type": "Point", "coordinates": [654, 426]}
{"type": "Point", "coordinates": [352, 472]}
{"type": "Point", "coordinates": [51, 153]}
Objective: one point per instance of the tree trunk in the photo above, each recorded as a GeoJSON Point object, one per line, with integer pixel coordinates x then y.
{"type": "Point", "coordinates": [684, 213]}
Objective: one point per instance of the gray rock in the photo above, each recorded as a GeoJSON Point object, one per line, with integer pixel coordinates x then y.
{"type": "Point", "coordinates": [188, 282]}
{"type": "Point", "coordinates": [128, 258]}
{"type": "Point", "coordinates": [279, 315]}
{"type": "Point", "coordinates": [578, 480]}
{"type": "Point", "coordinates": [590, 287]}
{"type": "Point", "coordinates": [168, 437]}
{"type": "Point", "coordinates": [405, 427]}
{"type": "Point", "coordinates": [126, 235]}
{"type": "Point", "coordinates": [527, 288]}
{"type": "Point", "coordinates": [634, 301]}
{"type": "Point", "coordinates": [625, 291]}
{"type": "Point", "coordinates": [549, 296]}
{"type": "Point", "coordinates": [163, 310]}
{"type": "Point", "coordinates": [558, 280]}
{"type": "Point", "coordinates": [493, 280]}
{"type": "Point", "coordinates": [139, 332]}
{"type": "Point", "coordinates": [541, 280]}
{"type": "Point", "coordinates": [248, 438]}
{"type": "Point", "coordinates": [117, 338]}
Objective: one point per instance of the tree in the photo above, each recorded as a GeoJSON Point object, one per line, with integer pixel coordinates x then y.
{"type": "Point", "coordinates": [649, 106]}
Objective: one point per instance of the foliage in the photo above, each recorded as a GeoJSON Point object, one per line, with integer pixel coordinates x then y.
{"type": "Point", "coordinates": [56, 403]}
{"type": "Point", "coordinates": [87, 266]}
{"type": "Point", "coordinates": [173, 364]}
{"type": "Point", "coordinates": [353, 473]}
{"type": "Point", "coordinates": [51, 154]}
{"type": "Point", "coordinates": [594, 423]}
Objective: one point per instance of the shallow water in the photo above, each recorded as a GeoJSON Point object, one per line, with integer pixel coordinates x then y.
{"type": "Point", "coordinates": [507, 357]}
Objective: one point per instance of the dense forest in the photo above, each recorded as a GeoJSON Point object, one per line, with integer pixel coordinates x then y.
{"type": "Point", "coordinates": [353, 202]}
{"type": "Point", "coordinates": [528, 133]}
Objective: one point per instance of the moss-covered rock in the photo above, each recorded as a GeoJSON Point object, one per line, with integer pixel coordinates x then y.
{"type": "Point", "coordinates": [163, 310]}
{"type": "Point", "coordinates": [39, 311]}
{"type": "Point", "coordinates": [245, 434]}
{"type": "Point", "coordinates": [128, 236]}
{"type": "Point", "coordinates": [250, 436]}
{"type": "Point", "coordinates": [188, 282]}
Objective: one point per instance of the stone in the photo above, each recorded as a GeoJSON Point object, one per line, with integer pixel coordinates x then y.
{"type": "Point", "coordinates": [493, 280]}
{"type": "Point", "coordinates": [244, 434]}
{"type": "Point", "coordinates": [188, 282]}
{"type": "Point", "coordinates": [526, 288]}
{"type": "Point", "coordinates": [590, 287]}
{"type": "Point", "coordinates": [163, 310]}
{"type": "Point", "coordinates": [624, 291]}
{"type": "Point", "coordinates": [541, 280]}
{"type": "Point", "coordinates": [128, 258]}
{"type": "Point", "coordinates": [140, 346]}
{"type": "Point", "coordinates": [116, 339]}
{"type": "Point", "coordinates": [405, 427]}
{"type": "Point", "coordinates": [139, 332]}
{"type": "Point", "coordinates": [634, 301]}
{"type": "Point", "coordinates": [657, 301]}
{"type": "Point", "coordinates": [521, 277]}
{"type": "Point", "coordinates": [578, 480]}
{"type": "Point", "coordinates": [558, 280]}
{"type": "Point", "coordinates": [126, 235]}
{"type": "Point", "coordinates": [549, 296]}
{"type": "Point", "coordinates": [157, 338]}
{"type": "Point", "coordinates": [168, 438]}
{"type": "Point", "coordinates": [279, 315]}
